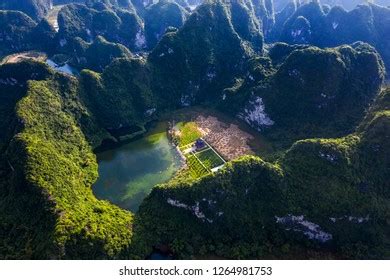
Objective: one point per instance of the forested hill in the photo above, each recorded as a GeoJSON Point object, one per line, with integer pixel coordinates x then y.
{"type": "Point", "coordinates": [303, 77]}
{"type": "Point", "coordinates": [36, 9]}
{"type": "Point", "coordinates": [314, 24]}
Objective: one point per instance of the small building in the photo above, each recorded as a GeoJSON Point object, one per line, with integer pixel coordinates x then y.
{"type": "Point", "coordinates": [199, 144]}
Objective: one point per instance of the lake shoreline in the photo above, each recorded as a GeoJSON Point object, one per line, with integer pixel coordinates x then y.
{"type": "Point", "coordinates": [128, 171]}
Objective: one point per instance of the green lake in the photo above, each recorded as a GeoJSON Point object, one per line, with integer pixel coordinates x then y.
{"type": "Point", "coordinates": [128, 173]}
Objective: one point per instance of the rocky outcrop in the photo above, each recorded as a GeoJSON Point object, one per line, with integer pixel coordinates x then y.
{"type": "Point", "coordinates": [36, 9]}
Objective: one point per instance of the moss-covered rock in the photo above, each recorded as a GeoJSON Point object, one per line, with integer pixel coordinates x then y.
{"type": "Point", "coordinates": [246, 24]}
{"type": "Point", "coordinates": [125, 4]}
{"type": "Point", "coordinates": [326, 195]}
{"type": "Point", "coordinates": [282, 14]}
{"type": "Point", "coordinates": [215, 210]}
{"type": "Point", "coordinates": [264, 11]}
{"type": "Point", "coordinates": [44, 37]}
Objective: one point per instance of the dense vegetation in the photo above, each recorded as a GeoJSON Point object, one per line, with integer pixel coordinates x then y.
{"type": "Point", "coordinates": [20, 33]}
{"type": "Point", "coordinates": [203, 43]}
{"type": "Point", "coordinates": [15, 33]}
{"type": "Point", "coordinates": [96, 55]}
{"type": "Point", "coordinates": [36, 9]}
{"type": "Point", "coordinates": [115, 99]}
{"type": "Point", "coordinates": [159, 17]}
{"type": "Point", "coordinates": [306, 91]}
{"type": "Point", "coordinates": [324, 109]}
{"type": "Point", "coordinates": [241, 205]}
{"type": "Point", "coordinates": [59, 213]}
{"type": "Point", "coordinates": [311, 24]}
{"type": "Point", "coordinates": [117, 25]}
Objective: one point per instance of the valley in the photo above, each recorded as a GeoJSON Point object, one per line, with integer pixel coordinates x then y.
{"type": "Point", "coordinates": [128, 173]}
{"type": "Point", "coordinates": [198, 129]}
{"type": "Point", "coordinates": [129, 170]}
{"type": "Point", "coordinates": [40, 57]}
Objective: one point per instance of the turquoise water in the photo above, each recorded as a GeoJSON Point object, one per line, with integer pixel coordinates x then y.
{"type": "Point", "coordinates": [128, 173]}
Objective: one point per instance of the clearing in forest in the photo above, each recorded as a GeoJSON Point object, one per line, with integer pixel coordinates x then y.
{"type": "Point", "coordinates": [207, 142]}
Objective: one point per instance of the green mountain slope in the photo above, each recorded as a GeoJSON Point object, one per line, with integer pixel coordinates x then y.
{"type": "Point", "coordinates": [50, 169]}
{"type": "Point", "coordinates": [36, 9]}
{"type": "Point", "coordinates": [324, 193]}
{"type": "Point", "coordinates": [329, 191]}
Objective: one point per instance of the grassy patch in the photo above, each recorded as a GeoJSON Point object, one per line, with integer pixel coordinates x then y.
{"type": "Point", "coordinates": [195, 168]}
{"type": "Point", "coordinates": [185, 147]}
{"type": "Point", "coordinates": [202, 162]}
{"type": "Point", "coordinates": [209, 158]}
{"type": "Point", "coordinates": [189, 132]}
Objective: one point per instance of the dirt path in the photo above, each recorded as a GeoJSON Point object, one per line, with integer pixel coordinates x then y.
{"type": "Point", "coordinates": [32, 55]}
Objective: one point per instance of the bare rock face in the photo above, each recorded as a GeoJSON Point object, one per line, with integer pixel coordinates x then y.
{"type": "Point", "coordinates": [255, 115]}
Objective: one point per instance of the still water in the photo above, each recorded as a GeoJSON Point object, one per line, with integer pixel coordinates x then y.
{"type": "Point", "coordinates": [128, 173]}
{"type": "Point", "coordinates": [66, 68]}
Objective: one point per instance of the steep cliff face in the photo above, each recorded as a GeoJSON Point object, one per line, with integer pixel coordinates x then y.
{"type": "Point", "coordinates": [314, 17]}
{"type": "Point", "coordinates": [159, 17]}
{"type": "Point", "coordinates": [190, 65]}
{"type": "Point", "coordinates": [310, 24]}
{"type": "Point", "coordinates": [346, 4]}
{"type": "Point", "coordinates": [247, 24]}
{"type": "Point", "coordinates": [36, 9]}
{"type": "Point", "coordinates": [311, 91]}
{"type": "Point", "coordinates": [121, 96]}
{"type": "Point", "coordinates": [286, 208]}
{"type": "Point", "coordinates": [16, 32]}
{"type": "Point", "coordinates": [264, 10]}
{"type": "Point", "coordinates": [115, 25]}
{"type": "Point", "coordinates": [319, 106]}
{"type": "Point", "coordinates": [96, 55]}
{"type": "Point", "coordinates": [47, 167]}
